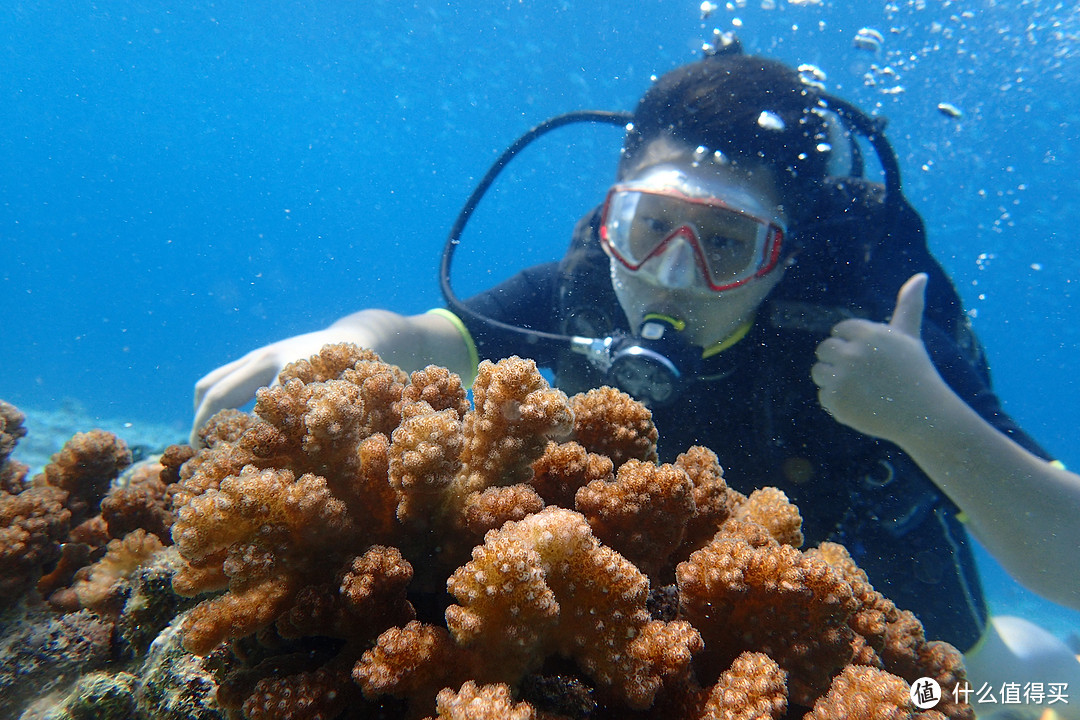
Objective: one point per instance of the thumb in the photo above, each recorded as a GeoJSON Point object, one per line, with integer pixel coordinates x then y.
{"type": "Point", "coordinates": [910, 301]}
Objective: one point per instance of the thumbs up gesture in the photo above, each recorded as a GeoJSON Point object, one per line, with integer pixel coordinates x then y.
{"type": "Point", "coordinates": [877, 377]}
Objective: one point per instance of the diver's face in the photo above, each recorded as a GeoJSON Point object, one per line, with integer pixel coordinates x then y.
{"type": "Point", "coordinates": [696, 252]}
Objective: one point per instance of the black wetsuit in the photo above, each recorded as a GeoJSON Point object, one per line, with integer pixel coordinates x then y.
{"type": "Point", "coordinates": [758, 409]}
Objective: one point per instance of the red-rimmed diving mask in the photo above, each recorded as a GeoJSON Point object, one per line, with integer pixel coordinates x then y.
{"type": "Point", "coordinates": [728, 245]}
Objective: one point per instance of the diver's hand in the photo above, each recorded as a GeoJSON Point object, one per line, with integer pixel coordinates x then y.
{"type": "Point", "coordinates": [877, 377]}
{"type": "Point", "coordinates": [234, 385]}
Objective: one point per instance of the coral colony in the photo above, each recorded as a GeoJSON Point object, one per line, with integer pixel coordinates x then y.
{"type": "Point", "coordinates": [368, 544]}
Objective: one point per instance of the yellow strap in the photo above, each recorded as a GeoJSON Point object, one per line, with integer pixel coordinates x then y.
{"type": "Point", "coordinates": [680, 325]}
{"type": "Point", "coordinates": [739, 334]}
{"type": "Point", "coordinates": [674, 322]}
{"type": "Point", "coordinates": [474, 356]}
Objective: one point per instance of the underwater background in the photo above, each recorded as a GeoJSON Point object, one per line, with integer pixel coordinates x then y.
{"type": "Point", "coordinates": [182, 183]}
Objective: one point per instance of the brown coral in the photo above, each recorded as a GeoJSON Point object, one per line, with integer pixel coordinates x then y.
{"type": "Point", "coordinates": [13, 476]}
{"type": "Point", "coordinates": [53, 517]}
{"type": "Point", "coordinates": [122, 558]}
{"type": "Point", "coordinates": [330, 363]}
{"type": "Point", "coordinates": [770, 508]}
{"type": "Point", "coordinates": [33, 523]}
{"type": "Point", "coordinates": [424, 460]}
{"type": "Point", "coordinates": [85, 467]}
{"type": "Point", "coordinates": [373, 589]}
{"type": "Point", "coordinates": [141, 503]}
{"type": "Point", "coordinates": [354, 455]}
{"type": "Point", "coordinates": [535, 589]}
{"type": "Point", "coordinates": [12, 473]}
{"type": "Point", "coordinates": [313, 695]}
{"type": "Point", "coordinates": [642, 513]}
{"type": "Point", "coordinates": [773, 599]}
{"type": "Point", "coordinates": [489, 702]}
{"type": "Point", "coordinates": [610, 422]}
{"type": "Point", "coordinates": [316, 516]}
{"type": "Point", "coordinates": [439, 388]}
{"type": "Point", "coordinates": [492, 508]}
{"type": "Point", "coordinates": [714, 501]}
{"type": "Point", "coordinates": [258, 526]}
{"type": "Point", "coordinates": [225, 426]}
{"type": "Point", "coordinates": [753, 688]}
{"type": "Point", "coordinates": [565, 467]}
{"type": "Point", "coordinates": [515, 414]}
{"type": "Point", "coordinates": [414, 661]}
{"type": "Point", "coordinates": [537, 586]}
{"type": "Point", "coordinates": [864, 693]}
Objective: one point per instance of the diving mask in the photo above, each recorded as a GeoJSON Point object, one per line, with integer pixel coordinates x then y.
{"type": "Point", "coordinates": [667, 212]}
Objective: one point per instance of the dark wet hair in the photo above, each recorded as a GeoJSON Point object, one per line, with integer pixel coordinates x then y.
{"type": "Point", "coordinates": [717, 103]}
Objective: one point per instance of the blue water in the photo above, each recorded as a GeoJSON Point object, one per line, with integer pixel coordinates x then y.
{"type": "Point", "coordinates": [181, 185]}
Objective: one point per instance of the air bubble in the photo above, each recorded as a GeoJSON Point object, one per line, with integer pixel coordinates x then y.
{"type": "Point", "coordinates": [769, 120]}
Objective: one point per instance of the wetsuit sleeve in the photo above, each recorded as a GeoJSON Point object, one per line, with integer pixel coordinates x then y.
{"type": "Point", "coordinates": [526, 300]}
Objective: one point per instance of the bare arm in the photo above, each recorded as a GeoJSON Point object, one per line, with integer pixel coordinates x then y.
{"type": "Point", "coordinates": [878, 379]}
{"type": "Point", "coordinates": [411, 342]}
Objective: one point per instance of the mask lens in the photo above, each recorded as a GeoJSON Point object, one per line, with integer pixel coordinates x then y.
{"type": "Point", "coordinates": [731, 246]}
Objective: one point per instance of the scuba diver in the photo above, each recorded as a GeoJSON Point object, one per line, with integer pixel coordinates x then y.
{"type": "Point", "coordinates": [743, 271]}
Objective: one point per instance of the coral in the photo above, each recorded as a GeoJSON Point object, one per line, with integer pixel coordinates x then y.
{"type": "Point", "coordinates": [50, 527]}
{"type": "Point", "coordinates": [424, 460]}
{"type": "Point", "coordinates": [33, 523]}
{"type": "Point", "coordinates": [714, 501]}
{"type": "Point", "coordinates": [11, 428]}
{"type": "Point", "coordinates": [85, 467]}
{"type": "Point", "coordinates": [891, 638]}
{"type": "Point", "coordinates": [768, 597]}
{"type": "Point", "coordinates": [362, 453]}
{"type": "Point", "coordinates": [610, 422]}
{"type": "Point", "coordinates": [807, 612]}
{"type": "Point", "coordinates": [876, 616]}
{"type": "Point", "coordinates": [945, 664]}
{"type": "Point", "coordinates": [226, 426]}
{"type": "Point", "coordinates": [642, 513]}
{"type": "Point", "coordinates": [370, 544]}
{"type": "Point", "coordinates": [753, 688]}
{"type": "Point", "coordinates": [536, 587]}
{"type": "Point", "coordinates": [12, 474]}
{"type": "Point", "coordinates": [439, 388]}
{"type": "Point", "coordinates": [515, 414]}
{"type": "Point", "coordinates": [122, 558]}
{"type": "Point", "coordinates": [259, 526]}
{"type": "Point", "coordinates": [139, 501]}
{"type": "Point", "coordinates": [304, 696]}
{"type": "Point", "coordinates": [490, 509]}
{"type": "Point", "coordinates": [867, 693]}
{"type": "Point", "coordinates": [415, 660]}
{"type": "Point", "coordinates": [769, 508]}
{"type": "Point", "coordinates": [490, 702]}
{"type": "Point", "coordinates": [566, 467]}
{"type": "Point", "coordinates": [372, 594]}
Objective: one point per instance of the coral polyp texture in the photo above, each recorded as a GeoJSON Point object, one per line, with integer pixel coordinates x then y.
{"type": "Point", "coordinates": [371, 544]}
